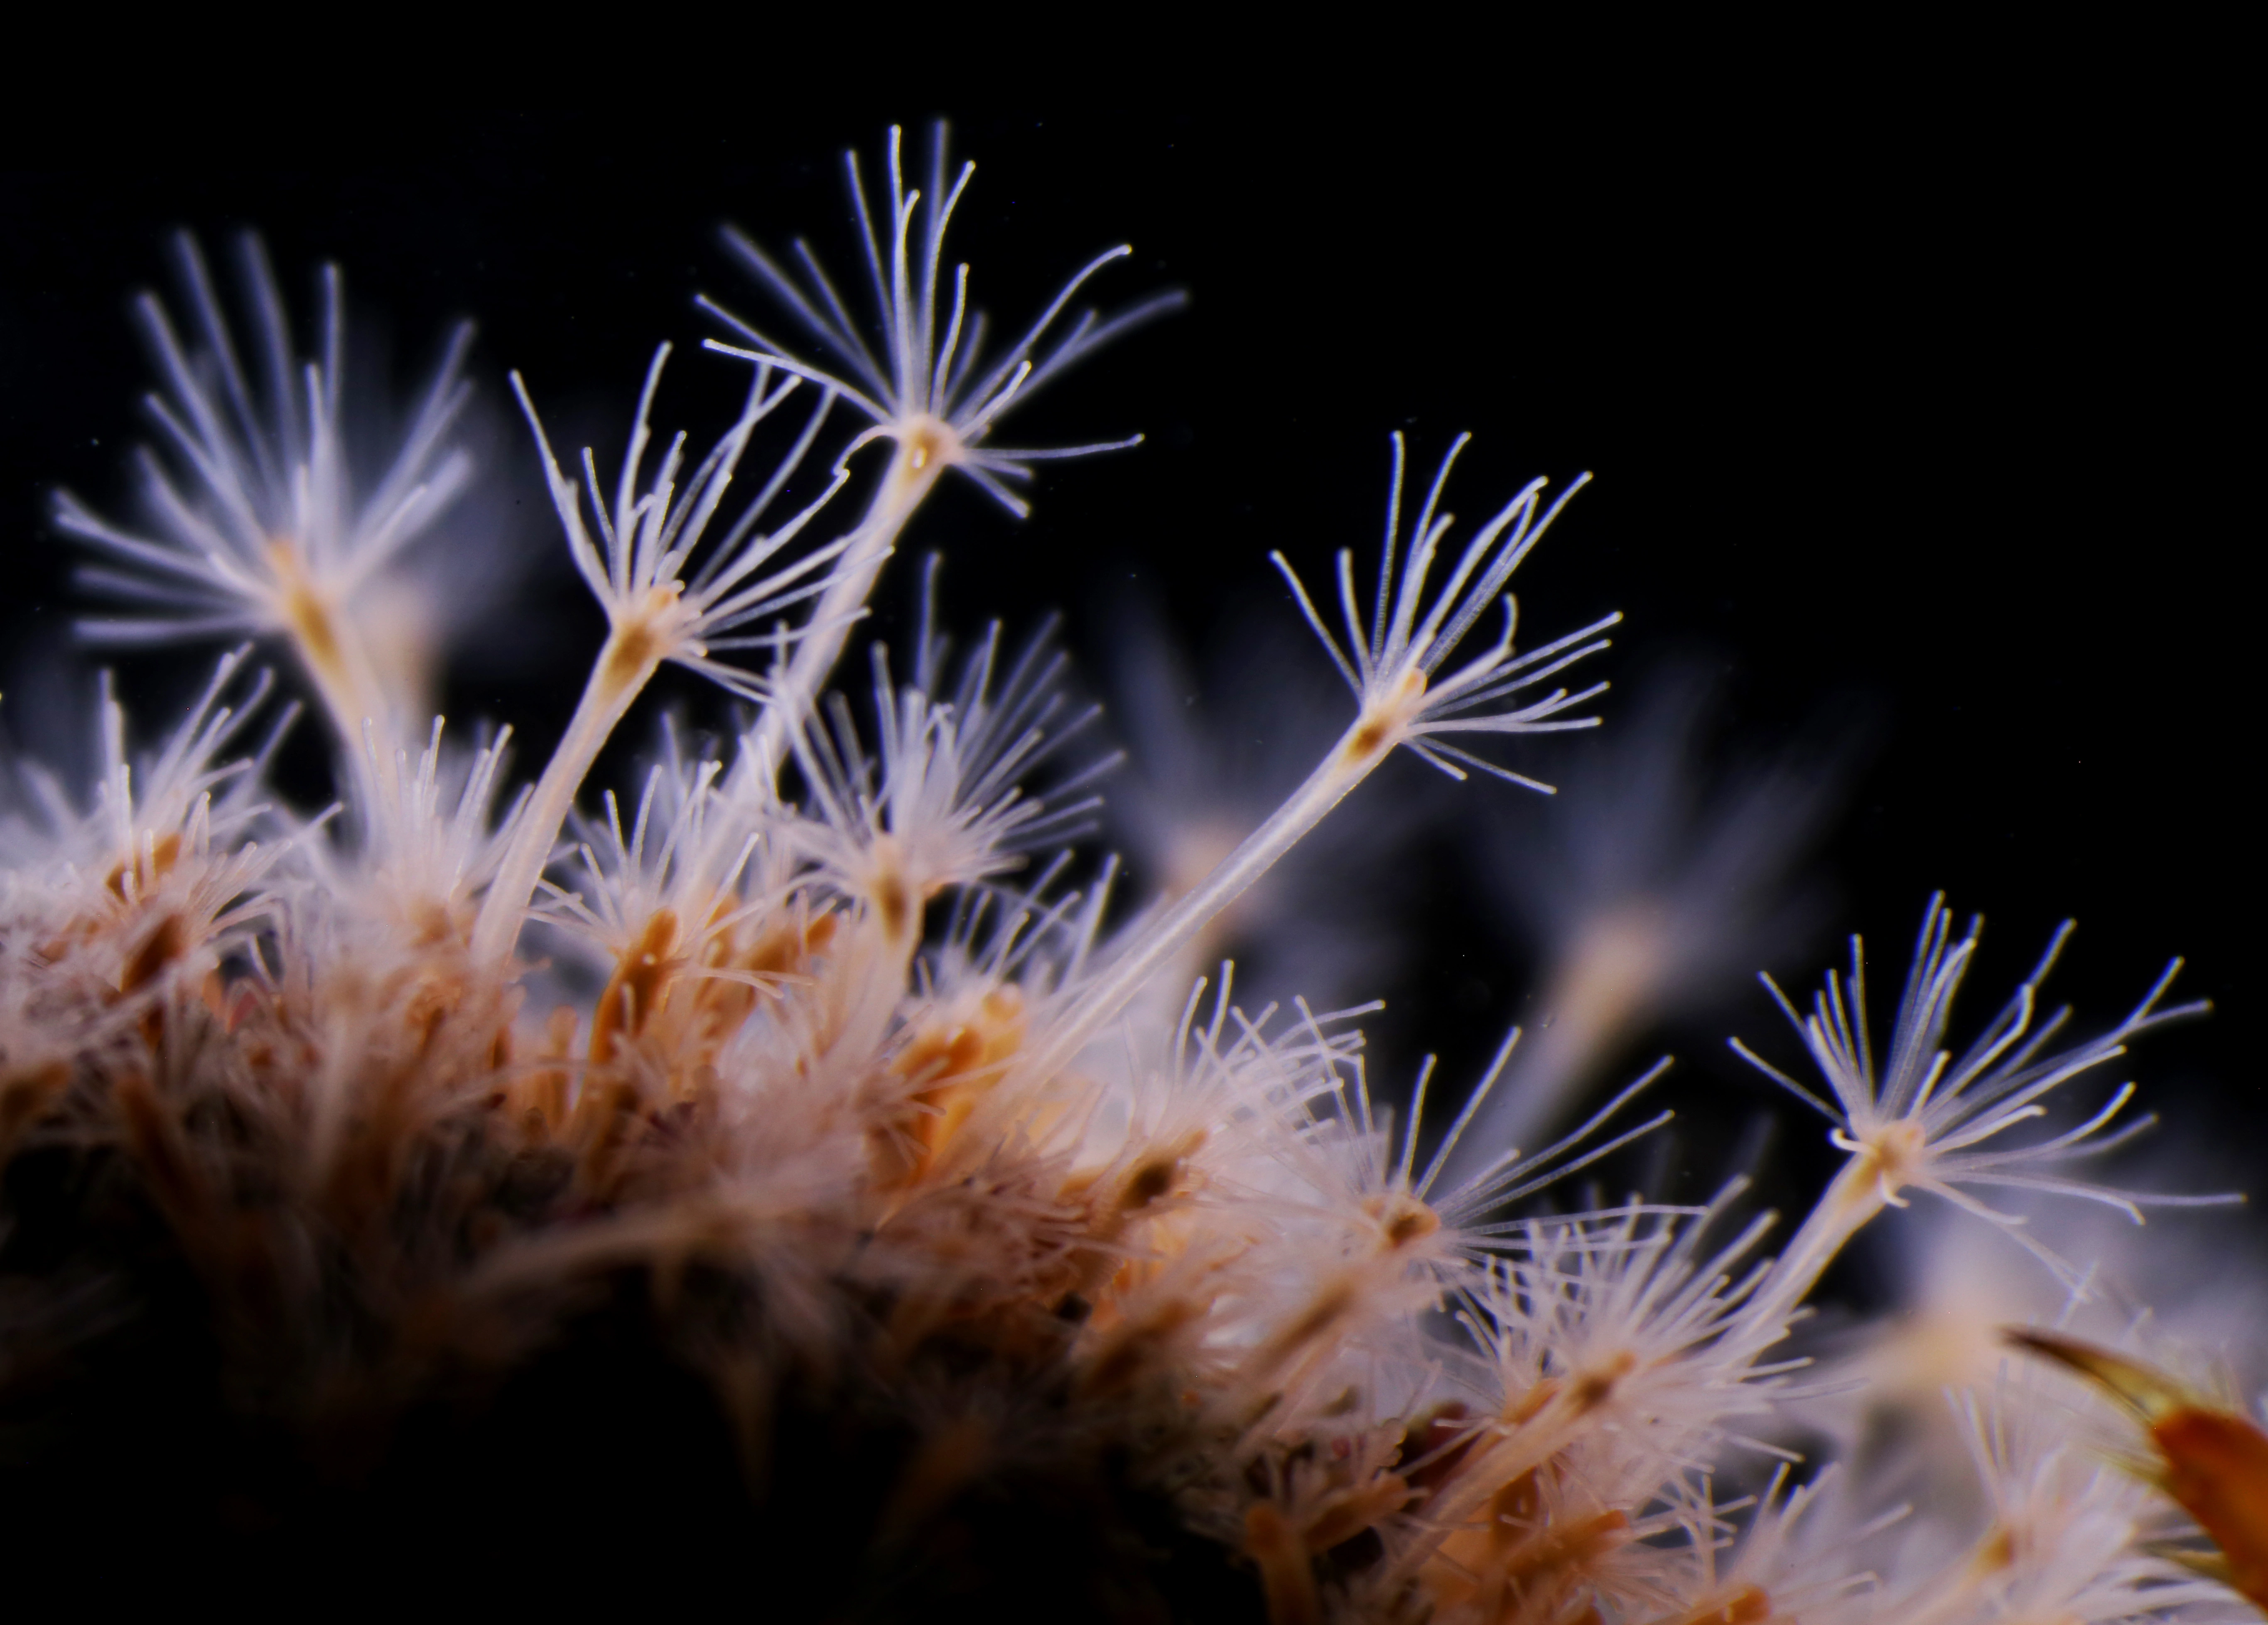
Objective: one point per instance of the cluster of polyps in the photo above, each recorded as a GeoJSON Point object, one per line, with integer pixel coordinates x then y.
{"type": "Point", "coordinates": [838, 1059]}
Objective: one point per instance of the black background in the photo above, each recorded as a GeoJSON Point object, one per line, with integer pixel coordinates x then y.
{"type": "Point", "coordinates": [1922, 403]}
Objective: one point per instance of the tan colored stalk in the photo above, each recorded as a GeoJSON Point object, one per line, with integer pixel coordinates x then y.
{"type": "Point", "coordinates": [924, 450]}
{"type": "Point", "coordinates": [634, 652]}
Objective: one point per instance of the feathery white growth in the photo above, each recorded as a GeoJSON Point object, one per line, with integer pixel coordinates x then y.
{"type": "Point", "coordinates": [1793, 1561]}
{"type": "Point", "coordinates": [1609, 1354]}
{"type": "Point", "coordinates": [942, 803]}
{"type": "Point", "coordinates": [1350, 1160]}
{"type": "Point", "coordinates": [668, 888]}
{"type": "Point", "coordinates": [1627, 1321]}
{"type": "Point", "coordinates": [256, 527]}
{"type": "Point", "coordinates": [1392, 675]}
{"type": "Point", "coordinates": [1211, 1081]}
{"type": "Point", "coordinates": [178, 786]}
{"type": "Point", "coordinates": [433, 839]}
{"type": "Point", "coordinates": [161, 879]}
{"type": "Point", "coordinates": [1920, 1120]}
{"type": "Point", "coordinates": [1260, 1259]}
{"type": "Point", "coordinates": [659, 607]}
{"type": "Point", "coordinates": [928, 391]}
{"type": "Point", "coordinates": [1391, 665]}
{"type": "Point", "coordinates": [927, 384]}
{"type": "Point", "coordinates": [996, 934]}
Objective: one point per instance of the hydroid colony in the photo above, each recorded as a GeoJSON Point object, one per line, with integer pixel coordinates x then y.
{"type": "Point", "coordinates": [1012, 1261]}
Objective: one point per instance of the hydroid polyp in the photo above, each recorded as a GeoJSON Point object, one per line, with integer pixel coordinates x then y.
{"type": "Point", "coordinates": [788, 1162]}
